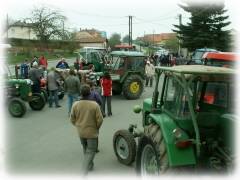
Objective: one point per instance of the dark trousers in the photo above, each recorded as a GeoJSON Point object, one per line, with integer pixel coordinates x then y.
{"type": "Point", "coordinates": [36, 87]}
{"type": "Point", "coordinates": [149, 79]}
{"type": "Point", "coordinates": [89, 150]}
{"type": "Point", "coordinates": [53, 97]}
{"type": "Point", "coordinates": [109, 106]}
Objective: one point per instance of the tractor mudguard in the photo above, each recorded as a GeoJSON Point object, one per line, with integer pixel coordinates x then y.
{"type": "Point", "coordinates": [128, 73]}
{"type": "Point", "coordinates": [177, 156]}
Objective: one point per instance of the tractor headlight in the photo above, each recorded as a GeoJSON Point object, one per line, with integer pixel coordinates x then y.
{"type": "Point", "coordinates": [17, 86]}
{"type": "Point", "coordinates": [29, 81]}
{"type": "Point", "coordinates": [30, 94]}
{"type": "Point", "coordinates": [177, 133]}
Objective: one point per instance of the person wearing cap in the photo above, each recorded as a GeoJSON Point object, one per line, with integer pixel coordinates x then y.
{"type": "Point", "coordinates": [35, 75]}
{"type": "Point", "coordinates": [149, 71]}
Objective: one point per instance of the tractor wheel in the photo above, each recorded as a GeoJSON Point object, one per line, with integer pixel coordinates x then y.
{"type": "Point", "coordinates": [152, 157]}
{"type": "Point", "coordinates": [133, 87]}
{"type": "Point", "coordinates": [17, 107]}
{"type": "Point", "coordinates": [37, 102]}
{"type": "Point", "coordinates": [124, 147]}
{"type": "Point", "coordinates": [116, 88]}
{"type": "Point", "coordinates": [45, 94]}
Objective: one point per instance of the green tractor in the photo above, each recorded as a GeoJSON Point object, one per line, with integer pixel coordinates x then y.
{"type": "Point", "coordinates": [125, 67]}
{"type": "Point", "coordinates": [127, 72]}
{"type": "Point", "coordinates": [17, 92]}
{"type": "Point", "coordinates": [187, 124]}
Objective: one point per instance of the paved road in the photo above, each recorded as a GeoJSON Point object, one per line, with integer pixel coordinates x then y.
{"type": "Point", "coordinates": [45, 142]}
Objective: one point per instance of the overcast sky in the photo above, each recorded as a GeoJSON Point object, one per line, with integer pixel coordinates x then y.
{"type": "Point", "coordinates": [149, 16]}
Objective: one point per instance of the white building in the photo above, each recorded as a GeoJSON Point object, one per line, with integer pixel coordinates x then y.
{"type": "Point", "coordinates": [20, 30]}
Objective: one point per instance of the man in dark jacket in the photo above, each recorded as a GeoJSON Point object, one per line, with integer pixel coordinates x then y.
{"type": "Point", "coordinates": [35, 75]}
{"type": "Point", "coordinates": [52, 79]}
{"type": "Point", "coordinates": [72, 88]}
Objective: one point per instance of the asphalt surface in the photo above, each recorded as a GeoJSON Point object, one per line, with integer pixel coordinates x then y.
{"type": "Point", "coordinates": [45, 142]}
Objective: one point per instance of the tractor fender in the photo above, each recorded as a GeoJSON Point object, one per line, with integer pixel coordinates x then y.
{"type": "Point", "coordinates": [177, 156]}
{"type": "Point", "coordinates": [123, 78]}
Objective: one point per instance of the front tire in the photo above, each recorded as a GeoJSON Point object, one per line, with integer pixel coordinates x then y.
{"type": "Point", "coordinates": [17, 107]}
{"type": "Point", "coordinates": [124, 147]}
{"type": "Point", "coordinates": [37, 102]}
{"type": "Point", "coordinates": [133, 87]}
{"type": "Point", "coordinates": [152, 157]}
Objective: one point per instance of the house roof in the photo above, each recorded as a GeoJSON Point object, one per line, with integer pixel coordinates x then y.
{"type": "Point", "coordinates": [21, 24]}
{"type": "Point", "coordinates": [88, 36]}
{"type": "Point", "coordinates": [158, 37]}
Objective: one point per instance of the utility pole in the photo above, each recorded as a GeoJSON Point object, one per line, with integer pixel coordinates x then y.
{"type": "Point", "coordinates": [130, 30]}
{"type": "Point", "coordinates": [7, 26]}
{"type": "Point", "coordinates": [179, 41]}
{"type": "Point", "coordinates": [63, 30]}
{"type": "Point", "coordinates": [153, 37]}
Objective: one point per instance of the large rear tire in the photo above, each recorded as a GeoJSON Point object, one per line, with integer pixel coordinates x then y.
{"type": "Point", "coordinates": [152, 157]}
{"type": "Point", "coordinates": [116, 88]}
{"type": "Point", "coordinates": [124, 147]}
{"type": "Point", "coordinates": [37, 102]}
{"type": "Point", "coordinates": [45, 94]}
{"type": "Point", "coordinates": [133, 87]}
{"type": "Point", "coordinates": [17, 107]}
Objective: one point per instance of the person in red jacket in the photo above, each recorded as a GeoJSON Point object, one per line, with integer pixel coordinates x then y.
{"type": "Point", "coordinates": [43, 62]}
{"type": "Point", "coordinates": [106, 85]}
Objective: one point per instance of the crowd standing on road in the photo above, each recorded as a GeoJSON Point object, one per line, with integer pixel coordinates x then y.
{"type": "Point", "coordinates": [85, 104]}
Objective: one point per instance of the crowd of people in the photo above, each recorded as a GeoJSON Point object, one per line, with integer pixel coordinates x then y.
{"type": "Point", "coordinates": [85, 101]}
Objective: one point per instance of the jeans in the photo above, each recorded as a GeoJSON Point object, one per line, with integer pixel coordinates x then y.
{"type": "Point", "coordinates": [53, 96]}
{"type": "Point", "coordinates": [71, 99]}
{"type": "Point", "coordinates": [150, 78]}
{"type": "Point", "coordinates": [109, 106]}
{"type": "Point", "coordinates": [89, 150]}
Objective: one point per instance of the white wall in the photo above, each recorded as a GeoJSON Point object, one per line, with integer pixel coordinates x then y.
{"type": "Point", "coordinates": [21, 33]}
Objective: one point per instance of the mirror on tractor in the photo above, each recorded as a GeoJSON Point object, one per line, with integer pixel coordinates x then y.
{"type": "Point", "coordinates": [137, 109]}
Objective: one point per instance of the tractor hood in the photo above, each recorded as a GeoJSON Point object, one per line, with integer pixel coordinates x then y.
{"type": "Point", "coordinates": [19, 81]}
{"type": "Point", "coordinates": [147, 104]}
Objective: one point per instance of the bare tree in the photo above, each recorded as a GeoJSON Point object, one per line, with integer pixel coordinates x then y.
{"type": "Point", "coordinates": [47, 23]}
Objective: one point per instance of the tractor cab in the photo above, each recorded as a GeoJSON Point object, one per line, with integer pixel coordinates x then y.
{"type": "Point", "coordinates": [127, 72]}
{"type": "Point", "coordinates": [188, 122]}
